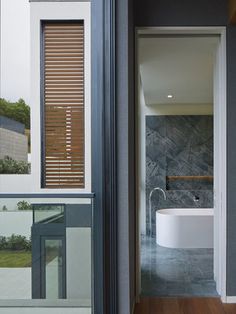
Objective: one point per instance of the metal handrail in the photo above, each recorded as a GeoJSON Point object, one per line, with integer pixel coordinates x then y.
{"type": "Point", "coordinates": [47, 195]}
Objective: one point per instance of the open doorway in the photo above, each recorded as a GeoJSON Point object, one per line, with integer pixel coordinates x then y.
{"type": "Point", "coordinates": [181, 165]}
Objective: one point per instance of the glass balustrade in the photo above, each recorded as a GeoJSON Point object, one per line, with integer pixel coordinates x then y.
{"type": "Point", "coordinates": [45, 250]}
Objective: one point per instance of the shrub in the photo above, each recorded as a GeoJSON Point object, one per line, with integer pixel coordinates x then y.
{"type": "Point", "coordinates": [15, 243]}
{"type": "Point", "coordinates": [4, 208]}
{"type": "Point", "coordinates": [3, 243]}
{"type": "Point", "coordinates": [23, 205]}
{"type": "Point", "coordinates": [10, 166]}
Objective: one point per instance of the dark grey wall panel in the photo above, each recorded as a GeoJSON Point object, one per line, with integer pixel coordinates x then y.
{"type": "Point", "coordinates": [180, 12]}
{"type": "Point", "coordinates": [231, 158]}
{"type": "Point", "coordinates": [125, 156]}
{"type": "Point", "coordinates": [132, 169]}
{"type": "Point", "coordinates": [78, 215]}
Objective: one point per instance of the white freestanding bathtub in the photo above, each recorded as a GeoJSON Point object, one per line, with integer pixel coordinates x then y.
{"type": "Point", "coordinates": [185, 227]}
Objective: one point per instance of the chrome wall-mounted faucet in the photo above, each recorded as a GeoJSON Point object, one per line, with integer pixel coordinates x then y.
{"type": "Point", "coordinates": [196, 199]}
{"type": "Point", "coordinates": [150, 204]}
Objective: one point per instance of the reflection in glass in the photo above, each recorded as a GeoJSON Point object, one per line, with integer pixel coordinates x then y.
{"type": "Point", "coordinates": [48, 213]}
{"type": "Point", "coordinates": [45, 250]}
{"type": "Point", "coordinates": [53, 269]}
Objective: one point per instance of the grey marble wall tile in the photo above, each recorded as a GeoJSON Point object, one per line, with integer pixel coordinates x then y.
{"type": "Point", "coordinates": [178, 146]}
{"type": "Point", "coordinates": [189, 184]}
{"type": "Point", "coordinates": [190, 146]}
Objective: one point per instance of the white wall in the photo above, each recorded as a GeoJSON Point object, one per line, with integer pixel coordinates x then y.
{"type": "Point", "coordinates": [142, 160]}
{"type": "Point", "coordinates": [18, 223]}
{"type": "Point", "coordinates": [220, 169]}
{"type": "Point", "coordinates": [78, 261]}
{"type": "Point", "coordinates": [31, 183]}
{"type": "Point", "coordinates": [51, 11]}
{"type": "Point", "coordinates": [15, 50]}
{"type": "Point", "coordinates": [177, 109]}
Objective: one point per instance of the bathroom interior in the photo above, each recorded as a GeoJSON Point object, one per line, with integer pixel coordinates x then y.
{"type": "Point", "coordinates": [176, 164]}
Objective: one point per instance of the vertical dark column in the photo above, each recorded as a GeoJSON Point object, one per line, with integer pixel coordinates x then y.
{"type": "Point", "coordinates": [104, 156]}
{"type": "Point", "coordinates": [98, 256]}
{"type": "Point", "coordinates": [231, 160]}
{"type": "Point", "coordinates": [125, 155]}
{"type": "Point", "coordinates": [132, 156]}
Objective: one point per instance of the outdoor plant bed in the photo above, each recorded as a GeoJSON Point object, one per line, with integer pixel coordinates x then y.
{"type": "Point", "coordinates": [11, 166]}
{"type": "Point", "coordinates": [11, 259]}
{"type": "Point", "coordinates": [15, 251]}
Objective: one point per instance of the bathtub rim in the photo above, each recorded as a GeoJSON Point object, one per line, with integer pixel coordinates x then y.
{"type": "Point", "coordinates": [196, 211]}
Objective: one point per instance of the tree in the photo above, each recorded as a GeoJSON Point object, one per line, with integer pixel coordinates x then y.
{"type": "Point", "coordinates": [18, 111]}
{"type": "Point", "coordinates": [23, 205]}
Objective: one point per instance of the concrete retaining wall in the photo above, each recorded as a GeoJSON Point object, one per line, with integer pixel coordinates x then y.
{"type": "Point", "coordinates": [13, 144]}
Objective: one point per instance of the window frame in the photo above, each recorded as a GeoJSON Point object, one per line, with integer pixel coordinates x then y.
{"type": "Point", "coordinates": [87, 108]}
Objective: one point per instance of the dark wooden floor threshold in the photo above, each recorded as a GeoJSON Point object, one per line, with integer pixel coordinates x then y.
{"type": "Point", "coordinates": [153, 305]}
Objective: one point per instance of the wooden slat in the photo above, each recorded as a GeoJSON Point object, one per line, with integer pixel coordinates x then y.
{"type": "Point", "coordinates": [176, 178]}
{"type": "Point", "coordinates": [77, 168]}
{"type": "Point", "coordinates": [64, 105]}
{"type": "Point", "coordinates": [232, 11]}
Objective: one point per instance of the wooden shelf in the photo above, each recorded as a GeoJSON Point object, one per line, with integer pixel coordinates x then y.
{"type": "Point", "coordinates": [200, 178]}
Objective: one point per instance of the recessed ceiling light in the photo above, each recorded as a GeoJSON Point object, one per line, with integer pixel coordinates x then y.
{"type": "Point", "coordinates": [169, 96]}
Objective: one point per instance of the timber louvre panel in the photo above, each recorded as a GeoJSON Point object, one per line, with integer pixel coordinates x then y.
{"type": "Point", "coordinates": [63, 61]}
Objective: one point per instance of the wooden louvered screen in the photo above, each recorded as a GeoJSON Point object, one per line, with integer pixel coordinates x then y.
{"type": "Point", "coordinates": [64, 105]}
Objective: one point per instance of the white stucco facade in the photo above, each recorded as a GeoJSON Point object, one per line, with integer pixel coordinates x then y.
{"type": "Point", "coordinates": [51, 11]}
{"type": "Point", "coordinates": [76, 240]}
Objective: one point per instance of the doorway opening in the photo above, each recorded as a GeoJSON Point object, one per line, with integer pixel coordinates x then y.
{"type": "Point", "coordinates": [181, 132]}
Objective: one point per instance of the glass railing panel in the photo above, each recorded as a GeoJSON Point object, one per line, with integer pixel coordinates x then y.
{"type": "Point", "coordinates": [48, 213]}
{"type": "Point", "coordinates": [53, 263]}
{"type": "Point", "coordinates": [45, 250]}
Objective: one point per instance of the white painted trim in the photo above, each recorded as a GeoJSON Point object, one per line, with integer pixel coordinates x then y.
{"type": "Point", "coordinates": [231, 299]}
{"type": "Point", "coordinates": [222, 173]}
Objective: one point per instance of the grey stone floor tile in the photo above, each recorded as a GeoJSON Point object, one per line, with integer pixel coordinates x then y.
{"type": "Point", "coordinates": [176, 272]}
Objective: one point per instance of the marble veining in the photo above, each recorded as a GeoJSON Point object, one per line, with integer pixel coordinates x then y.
{"type": "Point", "coordinates": [179, 146]}
{"type": "Point", "coordinates": [176, 272]}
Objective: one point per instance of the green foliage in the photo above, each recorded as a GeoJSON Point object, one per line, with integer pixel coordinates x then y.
{"type": "Point", "coordinates": [4, 208]}
{"type": "Point", "coordinates": [3, 243]}
{"type": "Point", "coordinates": [15, 243]}
{"type": "Point", "coordinates": [10, 166]}
{"type": "Point", "coordinates": [17, 111]}
{"type": "Point", "coordinates": [15, 259]}
{"type": "Point", "coordinates": [23, 205]}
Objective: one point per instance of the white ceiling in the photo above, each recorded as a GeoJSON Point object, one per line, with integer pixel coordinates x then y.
{"type": "Point", "coordinates": [179, 66]}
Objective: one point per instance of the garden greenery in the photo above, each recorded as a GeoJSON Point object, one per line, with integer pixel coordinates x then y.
{"type": "Point", "coordinates": [23, 205]}
{"type": "Point", "coordinates": [10, 166]}
{"type": "Point", "coordinates": [15, 243]}
{"type": "Point", "coordinates": [18, 111]}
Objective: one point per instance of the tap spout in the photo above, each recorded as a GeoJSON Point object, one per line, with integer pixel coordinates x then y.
{"type": "Point", "coordinates": [150, 204]}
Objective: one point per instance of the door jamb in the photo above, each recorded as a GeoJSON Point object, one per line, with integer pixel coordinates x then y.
{"type": "Point", "coordinates": [222, 226]}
